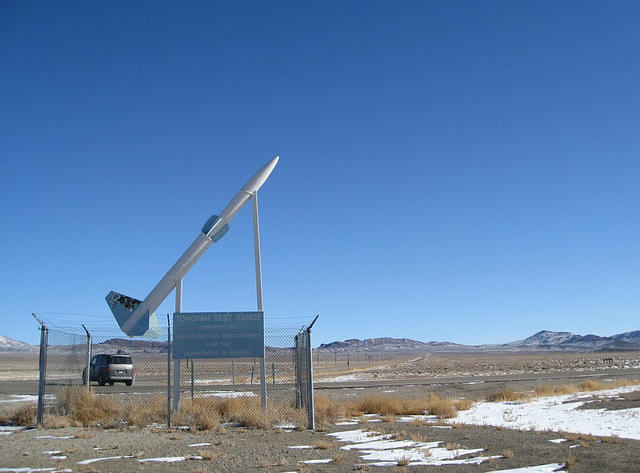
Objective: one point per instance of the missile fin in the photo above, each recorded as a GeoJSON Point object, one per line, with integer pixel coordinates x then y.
{"type": "Point", "coordinates": [122, 307]}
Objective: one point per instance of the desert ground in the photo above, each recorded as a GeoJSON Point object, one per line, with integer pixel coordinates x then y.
{"type": "Point", "coordinates": [341, 445]}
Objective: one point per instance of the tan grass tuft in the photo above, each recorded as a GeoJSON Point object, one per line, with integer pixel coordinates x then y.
{"type": "Point", "coordinates": [504, 395]}
{"type": "Point", "coordinates": [148, 412]}
{"type": "Point", "coordinates": [572, 458]}
{"type": "Point", "coordinates": [324, 444]}
{"type": "Point", "coordinates": [54, 421]}
{"type": "Point", "coordinates": [443, 407]}
{"type": "Point", "coordinates": [83, 406]}
{"type": "Point", "coordinates": [565, 389]}
{"type": "Point", "coordinates": [25, 415]}
{"type": "Point", "coordinates": [592, 385]}
{"type": "Point", "coordinates": [326, 410]}
{"type": "Point", "coordinates": [464, 404]}
{"type": "Point", "coordinates": [199, 413]}
{"type": "Point", "coordinates": [544, 390]}
{"type": "Point", "coordinates": [376, 404]}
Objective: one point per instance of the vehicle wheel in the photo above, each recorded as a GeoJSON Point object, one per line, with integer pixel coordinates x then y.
{"type": "Point", "coordinates": [101, 380]}
{"type": "Point", "coordinates": [84, 378]}
{"type": "Point", "coordinates": [111, 383]}
{"type": "Point", "coordinates": [128, 383]}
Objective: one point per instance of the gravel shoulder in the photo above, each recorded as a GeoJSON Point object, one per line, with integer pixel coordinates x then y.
{"type": "Point", "coordinates": [238, 449]}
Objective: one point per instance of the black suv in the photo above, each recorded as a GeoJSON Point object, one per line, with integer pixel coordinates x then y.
{"type": "Point", "coordinates": [110, 368]}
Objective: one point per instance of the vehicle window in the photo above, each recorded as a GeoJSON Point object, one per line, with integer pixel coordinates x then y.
{"type": "Point", "coordinates": [121, 360]}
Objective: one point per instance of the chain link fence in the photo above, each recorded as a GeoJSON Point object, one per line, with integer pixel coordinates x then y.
{"type": "Point", "coordinates": [71, 351]}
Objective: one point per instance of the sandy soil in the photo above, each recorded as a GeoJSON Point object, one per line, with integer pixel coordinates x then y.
{"type": "Point", "coordinates": [238, 449]}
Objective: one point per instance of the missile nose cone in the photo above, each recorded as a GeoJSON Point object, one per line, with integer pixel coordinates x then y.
{"type": "Point", "coordinates": [261, 176]}
{"type": "Point", "coordinates": [243, 195]}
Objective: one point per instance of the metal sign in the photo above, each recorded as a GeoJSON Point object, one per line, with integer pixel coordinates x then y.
{"type": "Point", "coordinates": [218, 335]}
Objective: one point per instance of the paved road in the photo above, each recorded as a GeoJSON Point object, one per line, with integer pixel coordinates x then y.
{"type": "Point", "coordinates": [565, 376]}
{"type": "Point", "coordinates": [470, 387]}
{"type": "Point", "coordinates": [450, 385]}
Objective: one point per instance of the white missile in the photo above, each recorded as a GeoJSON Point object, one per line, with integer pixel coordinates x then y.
{"type": "Point", "coordinates": [132, 314]}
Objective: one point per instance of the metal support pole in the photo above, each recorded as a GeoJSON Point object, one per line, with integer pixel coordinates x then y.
{"type": "Point", "coordinates": [176, 363]}
{"type": "Point", "coordinates": [87, 378]}
{"type": "Point", "coordinates": [256, 246]}
{"type": "Point", "coordinates": [44, 332]}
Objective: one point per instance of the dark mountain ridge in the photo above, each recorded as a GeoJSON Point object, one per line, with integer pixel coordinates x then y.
{"type": "Point", "coordinates": [544, 340]}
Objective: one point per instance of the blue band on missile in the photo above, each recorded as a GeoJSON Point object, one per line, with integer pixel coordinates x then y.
{"type": "Point", "coordinates": [209, 225]}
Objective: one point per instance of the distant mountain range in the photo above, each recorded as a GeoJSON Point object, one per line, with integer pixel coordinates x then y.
{"type": "Point", "coordinates": [7, 343]}
{"type": "Point", "coordinates": [541, 341]}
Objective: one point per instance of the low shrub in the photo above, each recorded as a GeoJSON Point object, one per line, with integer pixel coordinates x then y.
{"type": "Point", "coordinates": [504, 395]}
{"type": "Point", "coordinates": [25, 415]}
{"type": "Point", "coordinates": [83, 406]}
{"type": "Point", "coordinates": [149, 412]}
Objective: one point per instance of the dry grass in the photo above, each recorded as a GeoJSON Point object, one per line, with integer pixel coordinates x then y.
{"type": "Point", "coordinates": [24, 415]}
{"type": "Point", "coordinates": [324, 445]}
{"type": "Point", "coordinates": [207, 454]}
{"type": "Point", "coordinates": [388, 406]}
{"type": "Point", "coordinates": [505, 395]}
{"type": "Point", "coordinates": [327, 409]}
{"type": "Point", "coordinates": [79, 406]}
{"type": "Point", "coordinates": [153, 411]}
{"type": "Point", "coordinates": [199, 414]}
{"type": "Point", "coordinates": [572, 458]}
{"type": "Point", "coordinates": [545, 390]}
{"type": "Point", "coordinates": [464, 404]}
{"type": "Point", "coordinates": [507, 454]}
{"type": "Point", "coordinates": [82, 406]}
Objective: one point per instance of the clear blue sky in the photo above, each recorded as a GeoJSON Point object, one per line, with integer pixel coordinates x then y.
{"type": "Point", "coordinates": [459, 171]}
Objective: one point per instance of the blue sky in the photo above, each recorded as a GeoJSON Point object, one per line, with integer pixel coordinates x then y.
{"type": "Point", "coordinates": [459, 171]}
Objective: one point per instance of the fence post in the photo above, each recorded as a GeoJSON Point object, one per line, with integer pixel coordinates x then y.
{"type": "Point", "coordinates": [87, 378]}
{"type": "Point", "coordinates": [298, 372]}
{"type": "Point", "coordinates": [192, 378]}
{"type": "Point", "coordinates": [310, 404]}
{"type": "Point", "coordinates": [168, 372]}
{"type": "Point", "coordinates": [43, 368]}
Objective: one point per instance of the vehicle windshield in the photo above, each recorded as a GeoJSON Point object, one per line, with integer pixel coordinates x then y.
{"type": "Point", "coordinates": [121, 360]}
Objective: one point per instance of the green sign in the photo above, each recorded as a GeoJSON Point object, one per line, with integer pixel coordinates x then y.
{"type": "Point", "coordinates": [218, 335]}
